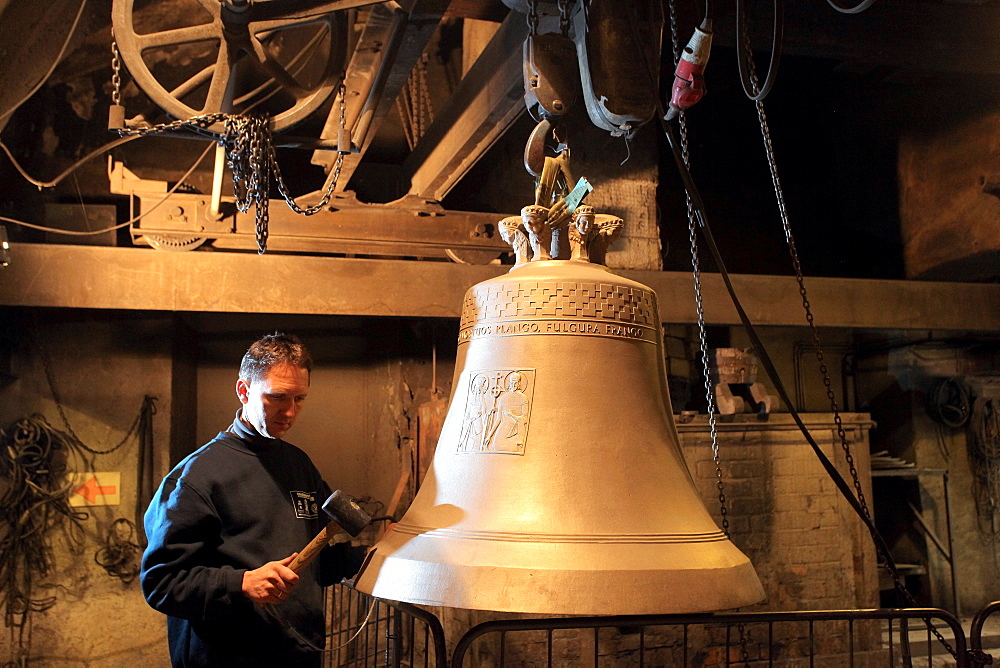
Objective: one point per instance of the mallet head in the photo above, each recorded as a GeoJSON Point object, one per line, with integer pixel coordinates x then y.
{"type": "Point", "coordinates": [345, 511]}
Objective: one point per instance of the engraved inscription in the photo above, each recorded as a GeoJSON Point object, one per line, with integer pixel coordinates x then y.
{"type": "Point", "coordinates": [569, 327]}
{"type": "Point", "coordinates": [497, 409]}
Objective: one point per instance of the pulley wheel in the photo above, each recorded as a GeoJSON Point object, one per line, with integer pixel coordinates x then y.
{"type": "Point", "coordinates": [197, 57]}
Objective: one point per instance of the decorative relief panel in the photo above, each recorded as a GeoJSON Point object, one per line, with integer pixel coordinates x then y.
{"type": "Point", "coordinates": [497, 410]}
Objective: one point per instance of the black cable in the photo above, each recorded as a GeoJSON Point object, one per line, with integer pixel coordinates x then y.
{"type": "Point", "coordinates": [145, 480]}
{"type": "Point", "coordinates": [699, 210]}
{"type": "Point", "coordinates": [120, 554]}
{"type": "Point", "coordinates": [34, 502]}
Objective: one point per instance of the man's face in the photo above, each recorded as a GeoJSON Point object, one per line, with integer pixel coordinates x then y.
{"type": "Point", "coordinates": [271, 404]}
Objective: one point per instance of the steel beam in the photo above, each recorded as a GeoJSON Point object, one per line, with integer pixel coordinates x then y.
{"type": "Point", "coordinates": [143, 279]}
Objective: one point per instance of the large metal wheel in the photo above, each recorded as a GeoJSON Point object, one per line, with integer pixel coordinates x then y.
{"type": "Point", "coordinates": [196, 57]}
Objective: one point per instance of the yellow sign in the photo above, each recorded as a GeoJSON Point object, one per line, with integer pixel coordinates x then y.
{"type": "Point", "coordinates": [101, 488]}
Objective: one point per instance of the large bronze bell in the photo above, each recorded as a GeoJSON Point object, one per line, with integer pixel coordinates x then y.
{"type": "Point", "coordinates": [558, 485]}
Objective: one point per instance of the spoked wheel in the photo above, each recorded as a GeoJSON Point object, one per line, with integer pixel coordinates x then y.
{"type": "Point", "coordinates": [198, 57]}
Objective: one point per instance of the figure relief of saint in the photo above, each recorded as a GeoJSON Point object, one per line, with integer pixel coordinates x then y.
{"type": "Point", "coordinates": [513, 409]}
{"type": "Point", "coordinates": [496, 412]}
{"type": "Point", "coordinates": [471, 437]}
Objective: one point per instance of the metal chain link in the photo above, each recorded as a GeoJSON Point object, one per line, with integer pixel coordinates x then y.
{"type": "Point", "coordinates": [564, 6]}
{"type": "Point", "coordinates": [793, 252]}
{"type": "Point", "coordinates": [116, 72]}
{"type": "Point", "coordinates": [532, 17]}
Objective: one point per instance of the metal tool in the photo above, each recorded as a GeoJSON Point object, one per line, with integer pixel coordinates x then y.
{"type": "Point", "coordinates": [347, 516]}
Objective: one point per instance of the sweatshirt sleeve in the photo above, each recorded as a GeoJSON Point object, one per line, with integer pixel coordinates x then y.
{"type": "Point", "coordinates": [177, 576]}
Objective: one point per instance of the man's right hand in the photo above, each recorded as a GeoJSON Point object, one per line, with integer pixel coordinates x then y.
{"type": "Point", "coordinates": [271, 583]}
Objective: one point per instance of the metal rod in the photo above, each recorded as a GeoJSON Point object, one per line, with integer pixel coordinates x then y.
{"type": "Point", "coordinates": [945, 552]}
{"type": "Point", "coordinates": [951, 548]}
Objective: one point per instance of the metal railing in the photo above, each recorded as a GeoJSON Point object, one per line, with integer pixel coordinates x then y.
{"type": "Point", "coordinates": [802, 638]}
{"type": "Point", "coordinates": [367, 631]}
{"type": "Point", "coordinates": [364, 631]}
{"type": "Point", "coordinates": [977, 657]}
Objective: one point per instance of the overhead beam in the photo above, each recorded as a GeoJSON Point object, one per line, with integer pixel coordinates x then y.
{"type": "Point", "coordinates": [139, 279]}
{"type": "Point", "coordinates": [487, 101]}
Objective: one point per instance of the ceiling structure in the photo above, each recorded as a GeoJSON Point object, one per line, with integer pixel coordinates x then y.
{"type": "Point", "coordinates": [430, 88]}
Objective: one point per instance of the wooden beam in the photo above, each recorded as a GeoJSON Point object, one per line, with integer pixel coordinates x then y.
{"type": "Point", "coordinates": [486, 103]}
{"type": "Point", "coordinates": [134, 278]}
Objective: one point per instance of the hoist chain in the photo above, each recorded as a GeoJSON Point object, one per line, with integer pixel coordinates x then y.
{"type": "Point", "coordinates": [699, 300]}
{"type": "Point", "coordinates": [564, 6]}
{"type": "Point", "coordinates": [532, 17]}
{"type": "Point", "coordinates": [793, 252]}
{"type": "Point", "coordinates": [250, 155]}
{"type": "Point", "coordinates": [116, 72]}
{"type": "Point", "coordinates": [702, 339]}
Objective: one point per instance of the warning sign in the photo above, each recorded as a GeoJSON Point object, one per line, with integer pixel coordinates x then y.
{"type": "Point", "coordinates": [101, 488]}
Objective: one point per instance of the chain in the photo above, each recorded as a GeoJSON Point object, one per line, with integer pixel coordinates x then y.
{"type": "Point", "coordinates": [564, 6]}
{"type": "Point", "coordinates": [331, 186]}
{"type": "Point", "coordinates": [793, 252]}
{"type": "Point", "coordinates": [700, 302]}
{"type": "Point", "coordinates": [116, 72]}
{"type": "Point", "coordinates": [250, 156]}
{"type": "Point", "coordinates": [532, 17]}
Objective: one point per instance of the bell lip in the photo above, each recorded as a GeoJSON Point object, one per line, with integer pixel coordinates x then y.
{"type": "Point", "coordinates": [530, 590]}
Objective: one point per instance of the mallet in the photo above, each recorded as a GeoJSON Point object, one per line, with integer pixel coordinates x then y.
{"type": "Point", "coordinates": [347, 516]}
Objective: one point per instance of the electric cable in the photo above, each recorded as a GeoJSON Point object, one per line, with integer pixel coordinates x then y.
{"type": "Point", "coordinates": [274, 614]}
{"type": "Point", "coordinates": [76, 165]}
{"type": "Point", "coordinates": [744, 52]}
{"type": "Point", "coordinates": [52, 67]}
{"type": "Point", "coordinates": [142, 215]}
{"type": "Point", "coordinates": [119, 555]}
{"type": "Point", "coordinates": [856, 9]}
{"type": "Point", "coordinates": [34, 502]}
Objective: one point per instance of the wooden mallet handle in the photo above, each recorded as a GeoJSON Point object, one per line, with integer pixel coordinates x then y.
{"type": "Point", "coordinates": [348, 517]}
{"type": "Point", "coordinates": [315, 546]}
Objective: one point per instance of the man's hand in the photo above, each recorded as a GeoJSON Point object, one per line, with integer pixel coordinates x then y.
{"type": "Point", "coordinates": [271, 583]}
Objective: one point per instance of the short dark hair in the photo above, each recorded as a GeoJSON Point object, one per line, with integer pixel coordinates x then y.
{"type": "Point", "coordinates": [271, 350]}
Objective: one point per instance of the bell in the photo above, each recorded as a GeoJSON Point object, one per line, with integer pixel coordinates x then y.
{"type": "Point", "coordinates": [558, 485]}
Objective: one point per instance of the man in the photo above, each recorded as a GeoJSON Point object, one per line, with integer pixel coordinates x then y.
{"type": "Point", "coordinates": [227, 521]}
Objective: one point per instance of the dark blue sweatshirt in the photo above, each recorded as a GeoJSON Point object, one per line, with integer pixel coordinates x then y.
{"type": "Point", "coordinates": [234, 504]}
